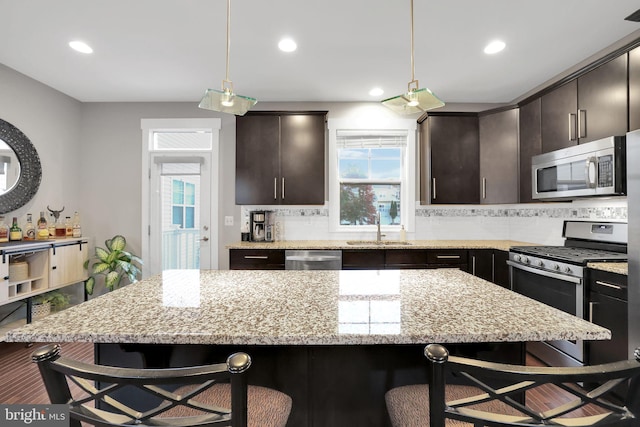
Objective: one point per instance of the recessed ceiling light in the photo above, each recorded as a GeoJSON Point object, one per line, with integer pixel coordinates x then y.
{"type": "Point", "coordinates": [494, 47]}
{"type": "Point", "coordinates": [81, 47]}
{"type": "Point", "coordinates": [287, 45]}
{"type": "Point", "coordinates": [376, 91]}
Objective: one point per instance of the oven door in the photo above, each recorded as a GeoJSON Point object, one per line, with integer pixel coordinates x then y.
{"type": "Point", "coordinates": [560, 291]}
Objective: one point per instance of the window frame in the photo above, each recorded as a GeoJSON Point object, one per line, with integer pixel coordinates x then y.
{"type": "Point", "coordinates": [408, 178]}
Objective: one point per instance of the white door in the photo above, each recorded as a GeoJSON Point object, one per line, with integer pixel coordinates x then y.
{"type": "Point", "coordinates": [180, 211]}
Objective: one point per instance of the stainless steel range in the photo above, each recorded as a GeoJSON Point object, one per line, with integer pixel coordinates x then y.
{"type": "Point", "coordinates": [555, 275]}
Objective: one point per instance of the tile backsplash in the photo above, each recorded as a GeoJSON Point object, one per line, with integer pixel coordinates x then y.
{"type": "Point", "coordinates": [539, 223]}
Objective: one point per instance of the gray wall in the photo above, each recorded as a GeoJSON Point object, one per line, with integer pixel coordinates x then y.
{"type": "Point", "coordinates": [51, 121]}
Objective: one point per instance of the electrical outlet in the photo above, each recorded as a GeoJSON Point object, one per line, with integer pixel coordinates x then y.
{"type": "Point", "coordinates": [228, 220]}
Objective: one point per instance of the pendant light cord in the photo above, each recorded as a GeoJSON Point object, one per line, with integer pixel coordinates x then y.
{"type": "Point", "coordinates": [226, 80]}
{"type": "Point", "coordinates": [412, 64]}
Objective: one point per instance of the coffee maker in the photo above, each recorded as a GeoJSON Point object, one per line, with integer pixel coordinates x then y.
{"type": "Point", "coordinates": [261, 225]}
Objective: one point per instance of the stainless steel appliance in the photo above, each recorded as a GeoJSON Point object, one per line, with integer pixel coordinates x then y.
{"type": "Point", "coordinates": [313, 260]}
{"type": "Point", "coordinates": [633, 217]}
{"type": "Point", "coordinates": [262, 226]}
{"type": "Point", "coordinates": [597, 168]}
{"type": "Point", "coordinates": [555, 275]}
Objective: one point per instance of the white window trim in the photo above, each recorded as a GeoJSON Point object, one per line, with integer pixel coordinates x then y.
{"type": "Point", "coordinates": [407, 217]}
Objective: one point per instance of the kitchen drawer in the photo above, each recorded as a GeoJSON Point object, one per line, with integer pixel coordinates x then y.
{"type": "Point", "coordinates": [607, 283]}
{"type": "Point", "coordinates": [355, 259]}
{"type": "Point", "coordinates": [447, 257]}
{"type": "Point", "coordinates": [256, 259]}
{"type": "Point", "coordinates": [405, 258]}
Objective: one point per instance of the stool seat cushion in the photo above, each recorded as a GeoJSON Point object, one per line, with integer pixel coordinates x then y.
{"type": "Point", "coordinates": [266, 407]}
{"type": "Point", "coordinates": [408, 406]}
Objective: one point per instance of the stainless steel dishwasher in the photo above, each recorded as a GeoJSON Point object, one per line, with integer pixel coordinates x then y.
{"type": "Point", "coordinates": [313, 260]}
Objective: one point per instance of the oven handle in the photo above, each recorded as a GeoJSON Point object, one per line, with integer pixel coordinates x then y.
{"type": "Point", "coordinates": [576, 280]}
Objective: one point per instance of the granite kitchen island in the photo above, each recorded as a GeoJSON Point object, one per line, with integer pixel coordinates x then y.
{"type": "Point", "coordinates": [334, 340]}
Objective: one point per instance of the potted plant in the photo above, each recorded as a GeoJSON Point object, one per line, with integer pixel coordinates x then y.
{"type": "Point", "coordinates": [43, 303]}
{"type": "Point", "coordinates": [114, 263]}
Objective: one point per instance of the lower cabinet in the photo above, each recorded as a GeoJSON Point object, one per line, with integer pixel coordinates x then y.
{"type": "Point", "coordinates": [608, 308]}
{"type": "Point", "coordinates": [490, 265]}
{"type": "Point", "coordinates": [354, 259]}
{"type": "Point", "coordinates": [256, 259]}
{"type": "Point", "coordinates": [363, 259]}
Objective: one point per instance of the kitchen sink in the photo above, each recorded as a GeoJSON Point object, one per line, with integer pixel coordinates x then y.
{"type": "Point", "coordinates": [378, 243]}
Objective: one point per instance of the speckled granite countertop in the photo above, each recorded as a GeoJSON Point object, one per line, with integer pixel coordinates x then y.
{"type": "Point", "coordinates": [309, 308]}
{"type": "Point", "coordinates": [611, 267]}
{"type": "Point", "coordinates": [388, 244]}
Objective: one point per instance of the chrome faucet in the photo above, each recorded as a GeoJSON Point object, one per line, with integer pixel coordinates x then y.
{"type": "Point", "coordinates": [378, 235]}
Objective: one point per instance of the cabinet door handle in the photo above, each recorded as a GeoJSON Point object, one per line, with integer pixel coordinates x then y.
{"type": "Point", "coordinates": [582, 123]}
{"type": "Point", "coordinates": [591, 305]}
{"type": "Point", "coordinates": [275, 188]}
{"type": "Point", "coordinates": [256, 257]}
{"type": "Point", "coordinates": [448, 256]}
{"type": "Point", "coordinates": [433, 187]}
{"type": "Point", "coordinates": [572, 127]}
{"type": "Point", "coordinates": [473, 265]}
{"type": "Point", "coordinates": [484, 188]}
{"type": "Point", "coordinates": [608, 285]}
{"type": "Point", "coordinates": [282, 188]}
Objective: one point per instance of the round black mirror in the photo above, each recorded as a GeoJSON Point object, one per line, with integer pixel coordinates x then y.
{"type": "Point", "coordinates": [30, 172]}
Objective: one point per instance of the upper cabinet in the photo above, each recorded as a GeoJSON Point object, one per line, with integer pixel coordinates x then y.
{"type": "Point", "coordinates": [280, 158]}
{"type": "Point", "coordinates": [530, 145]}
{"type": "Point", "coordinates": [634, 89]}
{"type": "Point", "coordinates": [499, 157]}
{"type": "Point", "coordinates": [450, 159]}
{"type": "Point", "coordinates": [591, 107]}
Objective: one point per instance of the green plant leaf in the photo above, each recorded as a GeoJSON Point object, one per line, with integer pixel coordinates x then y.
{"type": "Point", "coordinates": [100, 267]}
{"type": "Point", "coordinates": [118, 243]}
{"type": "Point", "coordinates": [102, 254]}
{"type": "Point", "coordinates": [89, 285]}
{"type": "Point", "coordinates": [112, 279]}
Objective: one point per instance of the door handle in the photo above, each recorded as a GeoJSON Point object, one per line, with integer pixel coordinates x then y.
{"type": "Point", "coordinates": [582, 123]}
{"type": "Point", "coordinates": [591, 306]}
{"type": "Point", "coordinates": [282, 188]}
{"type": "Point", "coordinates": [572, 127]}
{"type": "Point", "coordinates": [275, 188]}
{"type": "Point", "coordinates": [433, 187]}
{"type": "Point", "coordinates": [205, 239]}
{"type": "Point", "coordinates": [484, 188]}
{"type": "Point", "coordinates": [608, 285]}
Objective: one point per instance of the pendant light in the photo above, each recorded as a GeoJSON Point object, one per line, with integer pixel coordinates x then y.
{"type": "Point", "coordinates": [226, 100]}
{"type": "Point", "coordinates": [415, 100]}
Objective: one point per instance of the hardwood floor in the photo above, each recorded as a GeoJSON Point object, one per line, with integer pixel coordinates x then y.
{"type": "Point", "coordinates": [19, 377]}
{"type": "Point", "coordinates": [20, 380]}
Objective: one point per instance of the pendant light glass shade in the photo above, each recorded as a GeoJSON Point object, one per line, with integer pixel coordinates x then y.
{"type": "Point", "coordinates": [415, 100]}
{"type": "Point", "coordinates": [226, 100]}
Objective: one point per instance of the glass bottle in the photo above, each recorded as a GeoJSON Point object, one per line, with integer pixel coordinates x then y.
{"type": "Point", "coordinates": [52, 227]}
{"type": "Point", "coordinates": [15, 232]}
{"type": "Point", "coordinates": [4, 230]}
{"type": "Point", "coordinates": [43, 229]}
{"type": "Point", "coordinates": [77, 230]}
{"type": "Point", "coordinates": [68, 227]}
{"type": "Point", "coordinates": [29, 229]}
{"type": "Point", "coordinates": [61, 229]}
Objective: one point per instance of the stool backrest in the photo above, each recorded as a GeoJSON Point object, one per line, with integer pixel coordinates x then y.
{"type": "Point", "coordinates": [591, 389]}
{"type": "Point", "coordinates": [95, 391]}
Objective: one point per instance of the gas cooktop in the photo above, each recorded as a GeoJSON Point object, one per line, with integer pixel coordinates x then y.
{"type": "Point", "coordinates": [573, 255]}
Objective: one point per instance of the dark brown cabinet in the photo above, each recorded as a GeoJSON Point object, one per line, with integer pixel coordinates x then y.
{"type": "Point", "coordinates": [362, 259]}
{"type": "Point", "coordinates": [634, 89]}
{"type": "Point", "coordinates": [530, 145]}
{"type": "Point", "coordinates": [280, 158]}
{"type": "Point", "coordinates": [591, 107]}
{"type": "Point", "coordinates": [256, 259]}
{"type": "Point", "coordinates": [490, 265]}
{"type": "Point", "coordinates": [499, 157]}
{"type": "Point", "coordinates": [450, 159]}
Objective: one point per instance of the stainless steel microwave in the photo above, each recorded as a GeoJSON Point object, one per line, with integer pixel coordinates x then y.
{"type": "Point", "coordinates": [596, 168]}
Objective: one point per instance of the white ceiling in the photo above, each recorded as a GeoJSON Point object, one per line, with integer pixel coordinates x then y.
{"type": "Point", "coordinates": [172, 50]}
